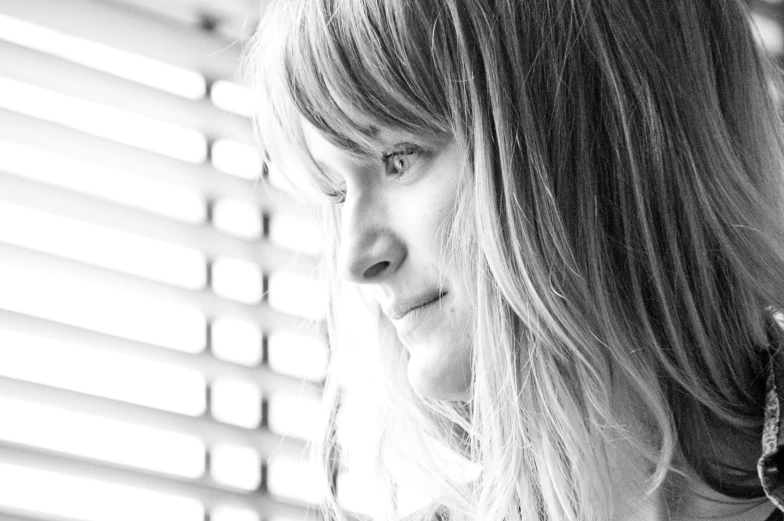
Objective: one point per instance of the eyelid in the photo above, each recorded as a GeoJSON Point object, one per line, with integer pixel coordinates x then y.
{"type": "Point", "coordinates": [402, 149]}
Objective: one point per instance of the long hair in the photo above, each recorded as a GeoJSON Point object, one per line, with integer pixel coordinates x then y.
{"type": "Point", "coordinates": [620, 222]}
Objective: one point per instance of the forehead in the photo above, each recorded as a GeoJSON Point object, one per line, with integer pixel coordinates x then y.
{"type": "Point", "coordinates": [329, 157]}
{"type": "Point", "coordinates": [319, 142]}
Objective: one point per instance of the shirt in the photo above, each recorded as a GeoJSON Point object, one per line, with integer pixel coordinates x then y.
{"type": "Point", "coordinates": [771, 462]}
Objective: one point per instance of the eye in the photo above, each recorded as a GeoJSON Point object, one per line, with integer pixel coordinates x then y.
{"type": "Point", "coordinates": [399, 161]}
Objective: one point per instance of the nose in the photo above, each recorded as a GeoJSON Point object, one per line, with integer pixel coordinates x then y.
{"type": "Point", "coordinates": [369, 248]}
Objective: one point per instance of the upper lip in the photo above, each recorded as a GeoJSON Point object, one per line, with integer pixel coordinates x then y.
{"type": "Point", "coordinates": [402, 307]}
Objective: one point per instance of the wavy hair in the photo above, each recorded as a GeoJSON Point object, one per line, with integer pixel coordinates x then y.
{"type": "Point", "coordinates": [620, 223]}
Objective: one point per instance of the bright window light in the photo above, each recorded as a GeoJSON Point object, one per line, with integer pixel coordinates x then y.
{"type": "Point", "coordinates": [227, 513]}
{"type": "Point", "coordinates": [90, 499]}
{"type": "Point", "coordinates": [154, 73]}
{"type": "Point", "coordinates": [95, 437]}
{"type": "Point", "coordinates": [295, 233]}
{"type": "Point", "coordinates": [232, 98]}
{"type": "Point", "coordinates": [294, 416]}
{"type": "Point", "coordinates": [297, 355]}
{"type": "Point", "coordinates": [235, 402]}
{"type": "Point", "coordinates": [100, 372]}
{"type": "Point", "coordinates": [410, 498]}
{"type": "Point", "coordinates": [355, 495]}
{"type": "Point", "coordinates": [101, 120]}
{"type": "Point", "coordinates": [236, 159]}
{"type": "Point", "coordinates": [294, 479]}
{"type": "Point", "coordinates": [277, 179]}
{"type": "Point", "coordinates": [236, 341]}
{"type": "Point", "coordinates": [60, 295]}
{"type": "Point", "coordinates": [298, 295]}
{"type": "Point", "coordinates": [236, 279]}
{"type": "Point", "coordinates": [126, 188]}
{"type": "Point", "coordinates": [236, 466]}
{"type": "Point", "coordinates": [237, 218]}
{"type": "Point", "coordinates": [769, 33]}
{"type": "Point", "coordinates": [94, 244]}
{"type": "Point", "coordinates": [415, 489]}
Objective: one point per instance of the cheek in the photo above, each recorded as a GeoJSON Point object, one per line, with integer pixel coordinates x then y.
{"type": "Point", "coordinates": [440, 365]}
{"type": "Point", "coordinates": [442, 372]}
{"type": "Point", "coordinates": [426, 215]}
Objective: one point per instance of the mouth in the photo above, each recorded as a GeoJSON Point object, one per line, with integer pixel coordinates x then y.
{"type": "Point", "coordinates": [415, 306]}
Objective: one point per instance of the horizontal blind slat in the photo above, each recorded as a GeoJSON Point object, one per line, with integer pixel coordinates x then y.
{"type": "Point", "coordinates": [205, 301]}
{"type": "Point", "coordinates": [211, 431]}
{"type": "Point", "coordinates": [268, 381]}
{"type": "Point", "coordinates": [203, 238]}
{"type": "Point", "coordinates": [133, 31]}
{"type": "Point", "coordinates": [53, 73]}
{"type": "Point", "coordinates": [13, 514]}
{"type": "Point", "coordinates": [83, 115]}
{"type": "Point", "coordinates": [18, 128]}
{"type": "Point", "coordinates": [203, 490]}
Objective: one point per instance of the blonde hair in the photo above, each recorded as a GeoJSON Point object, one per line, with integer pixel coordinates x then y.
{"type": "Point", "coordinates": [620, 224]}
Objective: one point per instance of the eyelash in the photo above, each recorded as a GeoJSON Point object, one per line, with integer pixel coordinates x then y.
{"type": "Point", "coordinates": [387, 158]}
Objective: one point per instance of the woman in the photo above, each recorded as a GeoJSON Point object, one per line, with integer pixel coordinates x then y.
{"type": "Point", "coordinates": [566, 220]}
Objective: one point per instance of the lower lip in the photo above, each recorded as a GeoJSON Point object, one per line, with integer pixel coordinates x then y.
{"type": "Point", "coordinates": [419, 315]}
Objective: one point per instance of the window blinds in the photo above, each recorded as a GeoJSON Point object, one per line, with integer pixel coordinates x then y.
{"type": "Point", "coordinates": [161, 346]}
{"type": "Point", "coordinates": [161, 351]}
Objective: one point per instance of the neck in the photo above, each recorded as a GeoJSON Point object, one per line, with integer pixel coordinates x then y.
{"type": "Point", "coordinates": [685, 494]}
{"type": "Point", "coordinates": [682, 497]}
{"type": "Point", "coordinates": [685, 497]}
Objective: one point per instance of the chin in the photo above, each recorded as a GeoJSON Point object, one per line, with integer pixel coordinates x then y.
{"type": "Point", "coordinates": [448, 381]}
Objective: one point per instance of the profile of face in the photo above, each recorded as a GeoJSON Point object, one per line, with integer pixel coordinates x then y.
{"type": "Point", "coordinates": [393, 211]}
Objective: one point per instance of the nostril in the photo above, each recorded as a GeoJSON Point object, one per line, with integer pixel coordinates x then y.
{"type": "Point", "coordinates": [375, 270]}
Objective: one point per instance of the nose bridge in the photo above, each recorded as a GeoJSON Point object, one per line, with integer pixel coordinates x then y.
{"type": "Point", "coordinates": [369, 248]}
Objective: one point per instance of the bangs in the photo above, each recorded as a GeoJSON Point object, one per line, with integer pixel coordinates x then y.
{"type": "Point", "coordinates": [355, 70]}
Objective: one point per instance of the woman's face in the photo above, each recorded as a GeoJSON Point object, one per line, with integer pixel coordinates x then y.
{"type": "Point", "coordinates": [395, 211]}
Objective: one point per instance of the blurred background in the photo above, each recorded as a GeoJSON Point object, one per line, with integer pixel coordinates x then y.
{"type": "Point", "coordinates": [161, 334]}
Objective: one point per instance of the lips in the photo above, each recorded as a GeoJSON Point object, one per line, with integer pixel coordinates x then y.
{"type": "Point", "coordinates": [406, 306]}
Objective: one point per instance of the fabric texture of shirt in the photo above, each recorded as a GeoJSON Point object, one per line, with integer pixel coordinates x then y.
{"type": "Point", "coordinates": [771, 463]}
